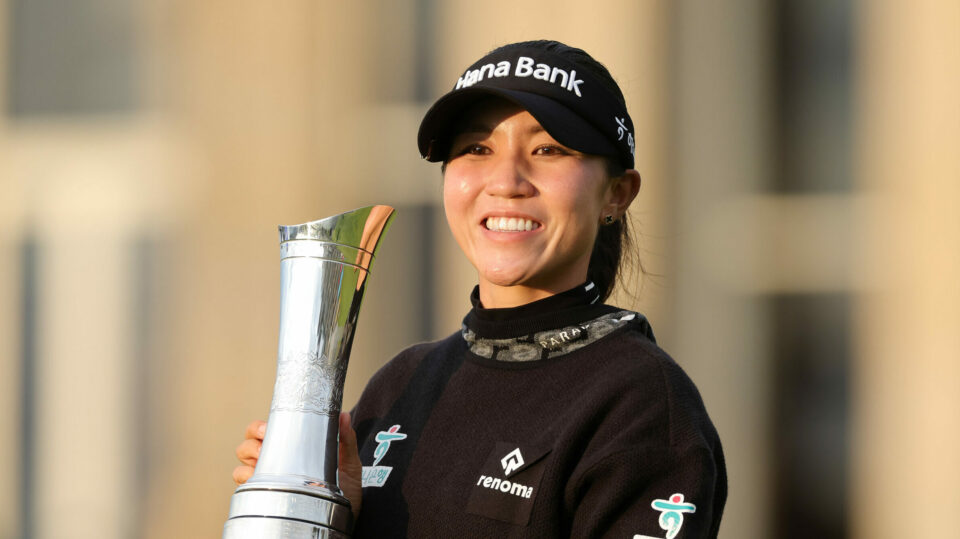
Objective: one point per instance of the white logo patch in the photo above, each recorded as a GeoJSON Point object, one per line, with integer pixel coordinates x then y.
{"type": "Point", "coordinates": [375, 476]}
{"type": "Point", "coordinates": [511, 462]}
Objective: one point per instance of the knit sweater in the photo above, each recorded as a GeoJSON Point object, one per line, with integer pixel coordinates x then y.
{"type": "Point", "coordinates": [560, 418]}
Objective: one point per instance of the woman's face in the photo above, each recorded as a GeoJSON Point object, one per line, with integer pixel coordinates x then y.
{"type": "Point", "coordinates": [524, 208]}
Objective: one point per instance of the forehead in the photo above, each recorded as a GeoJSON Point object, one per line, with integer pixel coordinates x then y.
{"type": "Point", "coordinates": [486, 114]}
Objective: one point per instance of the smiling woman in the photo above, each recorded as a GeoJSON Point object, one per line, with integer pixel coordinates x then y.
{"type": "Point", "coordinates": [524, 208]}
{"type": "Point", "coordinates": [551, 413]}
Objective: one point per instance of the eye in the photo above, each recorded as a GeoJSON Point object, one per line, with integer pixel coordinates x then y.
{"type": "Point", "coordinates": [476, 149]}
{"type": "Point", "coordinates": [550, 149]}
{"type": "Point", "coordinates": [472, 149]}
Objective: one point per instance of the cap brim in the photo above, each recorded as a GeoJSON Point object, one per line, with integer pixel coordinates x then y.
{"type": "Point", "coordinates": [563, 124]}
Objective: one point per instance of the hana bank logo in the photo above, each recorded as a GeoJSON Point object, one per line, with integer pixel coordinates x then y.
{"type": "Point", "coordinates": [671, 515]}
{"type": "Point", "coordinates": [384, 438]}
{"type": "Point", "coordinates": [621, 130]}
{"type": "Point", "coordinates": [376, 476]}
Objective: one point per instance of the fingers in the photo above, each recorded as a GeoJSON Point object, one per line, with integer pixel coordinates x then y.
{"type": "Point", "coordinates": [349, 457]}
{"type": "Point", "coordinates": [241, 474]}
{"type": "Point", "coordinates": [349, 453]}
{"type": "Point", "coordinates": [256, 430]}
{"type": "Point", "coordinates": [350, 474]}
{"type": "Point", "coordinates": [249, 451]}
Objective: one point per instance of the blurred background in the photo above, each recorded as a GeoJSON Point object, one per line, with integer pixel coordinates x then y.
{"type": "Point", "coordinates": [798, 224]}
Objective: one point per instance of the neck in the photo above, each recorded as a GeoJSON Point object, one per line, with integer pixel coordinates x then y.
{"type": "Point", "coordinates": [494, 296]}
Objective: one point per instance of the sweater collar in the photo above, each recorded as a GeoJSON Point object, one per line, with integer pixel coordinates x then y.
{"type": "Point", "coordinates": [576, 305]}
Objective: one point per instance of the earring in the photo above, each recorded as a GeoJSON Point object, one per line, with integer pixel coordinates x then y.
{"type": "Point", "coordinates": [608, 220]}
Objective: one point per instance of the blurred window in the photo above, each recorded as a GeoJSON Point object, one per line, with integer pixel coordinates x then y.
{"type": "Point", "coordinates": [412, 241]}
{"type": "Point", "coordinates": [812, 95]}
{"type": "Point", "coordinates": [73, 57]}
{"type": "Point", "coordinates": [811, 409]}
{"type": "Point", "coordinates": [405, 39]}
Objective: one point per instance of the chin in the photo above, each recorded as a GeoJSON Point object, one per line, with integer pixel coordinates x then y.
{"type": "Point", "coordinates": [505, 277]}
{"type": "Point", "coordinates": [504, 281]}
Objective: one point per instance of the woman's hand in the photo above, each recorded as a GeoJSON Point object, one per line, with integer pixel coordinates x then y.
{"type": "Point", "coordinates": [249, 451]}
{"type": "Point", "coordinates": [350, 471]}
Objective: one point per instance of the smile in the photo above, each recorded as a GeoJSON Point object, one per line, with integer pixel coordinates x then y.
{"type": "Point", "coordinates": [510, 224]}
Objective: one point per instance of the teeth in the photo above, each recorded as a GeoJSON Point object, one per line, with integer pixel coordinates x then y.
{"type": "Point", "coordinates": [512, 224]}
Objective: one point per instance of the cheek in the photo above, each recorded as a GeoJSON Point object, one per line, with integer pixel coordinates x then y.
{"type": "Point", "coordinates": [459, 193]}
{"type": "Point", "coordinates": [582, 200]}
{"type": "Point", "coordinates": [447, 192]}
{"type": "Point", "coordinates": [451, 203]}
{"type": "Point", "coordinates": [455, 205]}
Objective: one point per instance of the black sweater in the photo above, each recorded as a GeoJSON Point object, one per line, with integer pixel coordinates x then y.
{"type": "Point", "coordinates": [560, 418]}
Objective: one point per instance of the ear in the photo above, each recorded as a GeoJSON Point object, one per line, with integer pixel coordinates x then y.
{"type": "Point", "coordinates": [623, 189]}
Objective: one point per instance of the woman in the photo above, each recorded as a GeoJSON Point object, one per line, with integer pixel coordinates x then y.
{"type": "Point", "coordinates": [550, 413]}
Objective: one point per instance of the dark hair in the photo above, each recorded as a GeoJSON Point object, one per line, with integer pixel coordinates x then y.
{"type": "Point", "coordinates": [613, 240]}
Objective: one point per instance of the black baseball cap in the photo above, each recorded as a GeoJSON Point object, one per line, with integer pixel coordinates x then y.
{"type": "Point", "coordinates": [565, 97]}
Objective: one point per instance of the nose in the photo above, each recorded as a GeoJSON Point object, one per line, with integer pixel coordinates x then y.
{"type": "Point", "coordinates": [509, 178]}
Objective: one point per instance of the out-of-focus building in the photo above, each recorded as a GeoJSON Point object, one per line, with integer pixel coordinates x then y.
{"type": "Point", "coordinates": [797, 225]}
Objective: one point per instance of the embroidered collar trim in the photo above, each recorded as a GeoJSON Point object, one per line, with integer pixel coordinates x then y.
{"type": "Point", "coordinates": [547, 344]}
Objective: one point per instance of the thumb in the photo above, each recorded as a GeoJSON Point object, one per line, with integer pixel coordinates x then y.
{"type": "Point", "coordinates": [350, 473]}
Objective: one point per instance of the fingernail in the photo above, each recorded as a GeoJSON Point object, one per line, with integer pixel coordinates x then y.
{"type": "Point", "coordinates": [262, 429]}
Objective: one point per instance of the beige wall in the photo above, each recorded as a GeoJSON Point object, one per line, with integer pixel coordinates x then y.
{"type": "Point", "coordinates": [908, 392]}
{"type": "Point", "coordinates": [721, 148]}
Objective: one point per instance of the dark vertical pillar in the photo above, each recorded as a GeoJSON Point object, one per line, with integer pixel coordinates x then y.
{"type": "Point", "coordinates": [28, 385]}
{"type": "Point", "coordinates": [143, 310]}
{"type": "Point", "coordinates": [424, 45]}
{"type": "Point", "coordinates": [811, 410]}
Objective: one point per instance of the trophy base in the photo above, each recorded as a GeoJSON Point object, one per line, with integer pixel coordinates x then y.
{"type": "Point", "coordinates": [259, 511]}
{"type": "Point", "coordinates": [261, 528]}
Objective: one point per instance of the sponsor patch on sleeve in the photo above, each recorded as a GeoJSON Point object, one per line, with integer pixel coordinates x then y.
{"type": "Point", "coordinates": [376, 476]}
{"type": "Point", "coordinates": [671, 515]}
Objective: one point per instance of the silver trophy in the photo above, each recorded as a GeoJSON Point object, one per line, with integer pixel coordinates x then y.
{"type": "Point", "coordinates": [293, 492]}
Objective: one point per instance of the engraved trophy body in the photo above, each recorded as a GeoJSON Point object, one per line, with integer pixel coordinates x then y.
{"type": "Point", "coordinates": [293, 492]}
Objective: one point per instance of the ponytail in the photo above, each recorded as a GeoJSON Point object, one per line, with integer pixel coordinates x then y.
{"type": "Point", "coordinates": [607, 252]}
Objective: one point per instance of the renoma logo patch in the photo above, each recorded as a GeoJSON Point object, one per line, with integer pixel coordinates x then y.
{"type": "Point", "coordinates": [510, 463]}
{"type": "Point", "coordinates": [376, 476]}
{"type": "Point", "coordinates": [507, 483]}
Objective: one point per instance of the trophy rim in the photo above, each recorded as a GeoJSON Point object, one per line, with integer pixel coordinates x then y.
{"type": "Point", "coordinates": [314, 230]}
